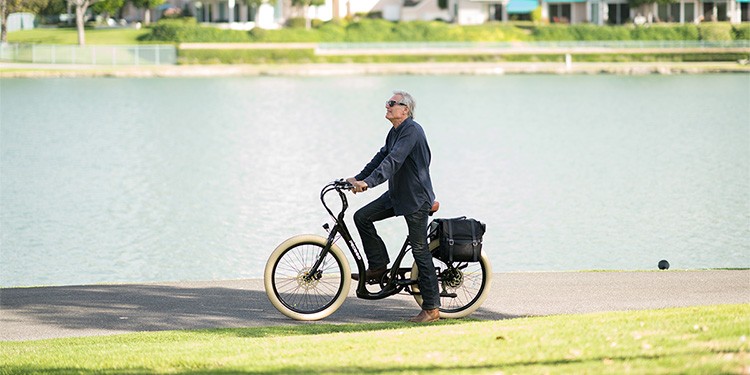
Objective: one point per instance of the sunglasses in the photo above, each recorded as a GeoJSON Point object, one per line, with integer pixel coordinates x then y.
{"type": "Point", "coordinates": [392, 103]}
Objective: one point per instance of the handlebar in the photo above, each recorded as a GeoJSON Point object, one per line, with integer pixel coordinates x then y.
{"type": "Point", "coordinates": [339, 186]}
{"type": "Point", "coordinates": [342, 184]}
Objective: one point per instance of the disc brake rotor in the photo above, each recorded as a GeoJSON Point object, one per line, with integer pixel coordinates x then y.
{"type": "Point", "coordinates": [305, 282]}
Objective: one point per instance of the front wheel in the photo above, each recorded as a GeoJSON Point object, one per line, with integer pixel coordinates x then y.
{"type": "Point", "coordinates": [296, 291]}
{"type": "Point", "coordinates": [469, 281]}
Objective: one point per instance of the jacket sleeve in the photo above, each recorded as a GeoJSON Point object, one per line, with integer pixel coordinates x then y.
{"type": "Point", "coordinates": [393, 160]}
{"type": "Point", "coordinates": [372, 164]}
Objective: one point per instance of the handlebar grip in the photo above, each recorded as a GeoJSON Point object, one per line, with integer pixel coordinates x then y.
{"type": "Point", "coordinates": [343, 184]}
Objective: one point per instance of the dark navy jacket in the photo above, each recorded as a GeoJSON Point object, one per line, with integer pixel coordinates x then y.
{"type": "Point", "coordinates": [404, 162]}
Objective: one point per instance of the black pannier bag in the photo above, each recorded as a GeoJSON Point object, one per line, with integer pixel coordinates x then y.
{"type": "Point", "coordinates": [460, 239]}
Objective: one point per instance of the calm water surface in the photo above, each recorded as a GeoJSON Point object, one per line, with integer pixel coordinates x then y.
{"type": "Point", "coordinates": [130, 180]}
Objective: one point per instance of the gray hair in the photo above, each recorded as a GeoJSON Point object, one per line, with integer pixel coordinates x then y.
{"type": "Point", "coordinates": [408, 100]}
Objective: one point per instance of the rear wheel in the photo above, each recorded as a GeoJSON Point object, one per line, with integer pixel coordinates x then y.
{"type": "Point", "coordinates": [469, 281]}
{"type": "Point", "coordinates": [298, 293]}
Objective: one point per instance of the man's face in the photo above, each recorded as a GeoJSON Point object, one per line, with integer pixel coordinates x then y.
{"type": "Point", "coordinates": [394, 110]}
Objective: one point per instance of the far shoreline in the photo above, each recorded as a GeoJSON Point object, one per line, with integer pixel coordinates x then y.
{"type": "Point", "coordinates": [19, 70]}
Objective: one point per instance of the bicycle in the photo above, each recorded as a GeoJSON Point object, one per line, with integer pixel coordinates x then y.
{"type": "Point", "coordinates": [307, 277]}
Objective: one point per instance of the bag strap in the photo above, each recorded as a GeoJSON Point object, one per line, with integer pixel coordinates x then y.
{"type": "Point", "coordinates": [473, 235]}
{"type": "Point", "coordinates": [450, 233]}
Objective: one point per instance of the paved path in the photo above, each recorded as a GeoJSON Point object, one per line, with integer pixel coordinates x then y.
{"type": "Point", "coordinates": [67, 311]}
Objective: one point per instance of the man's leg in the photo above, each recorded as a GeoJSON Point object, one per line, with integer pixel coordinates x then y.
{"type": "Point", "coordinates": [379, 209]}
{"type": "Point", "coordinates": [428, 282]}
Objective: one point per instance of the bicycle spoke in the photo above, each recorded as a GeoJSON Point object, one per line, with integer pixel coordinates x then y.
{"type": "Point", "coordinates": [300, 290]}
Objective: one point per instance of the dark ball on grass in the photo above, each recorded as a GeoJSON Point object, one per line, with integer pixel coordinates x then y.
{"type": "Point", "coordinates": [663, 264]}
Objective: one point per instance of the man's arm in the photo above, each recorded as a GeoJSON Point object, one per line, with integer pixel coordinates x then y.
{"type": "Point", "coordinates": [394, 159]}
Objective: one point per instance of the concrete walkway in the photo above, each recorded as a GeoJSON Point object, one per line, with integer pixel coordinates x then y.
{"type": "Point", "coordinates": [69, 311]}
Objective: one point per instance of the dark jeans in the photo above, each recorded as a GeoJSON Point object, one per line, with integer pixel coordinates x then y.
{"type": "Point", "coordinates": [377, 254]}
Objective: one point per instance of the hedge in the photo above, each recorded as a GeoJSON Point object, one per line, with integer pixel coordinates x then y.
{"type": "Point", "coordinates": [380, 30]}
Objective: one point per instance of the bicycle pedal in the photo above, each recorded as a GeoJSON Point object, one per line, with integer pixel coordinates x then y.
{"type": "Point", "coordinates": [449, 295]}
{"type": "Point", "coordinates": [405, 282]}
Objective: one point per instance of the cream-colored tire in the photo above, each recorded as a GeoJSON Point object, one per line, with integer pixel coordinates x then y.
{"type": "Point", "coordinates": [298, 296]}
{"type": "Point", "coordinates": [471, 285]}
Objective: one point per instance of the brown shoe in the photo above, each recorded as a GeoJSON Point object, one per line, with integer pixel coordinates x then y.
{"type": "Point", "coordinates": [372, 275]}
{"type": "Point", "coordinates": [426, 316]}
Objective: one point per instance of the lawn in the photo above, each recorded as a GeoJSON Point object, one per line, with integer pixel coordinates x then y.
{"type": "Point", "coordinates": [701, 340]}
{"type": "Point", "coordinates": [70, 36]}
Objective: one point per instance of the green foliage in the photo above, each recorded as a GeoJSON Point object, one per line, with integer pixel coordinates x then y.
{"type": "Point", "coordinates": [147, 4]}
{"type": "Point", "coordinates": [666, 32]}
{"type": "Point", "coordinates": [107, 6]}
{"type": "Point", "coordinates": [741, 31]}
{"type": "Point", "coordinates": [715, 31]}
{"type": "Point", "coordinates": [545, 33]}
{"type": "Point", "coordinates": [380, 30]}
{"type": "Point", "coordinates": [332, 32]}
{"type": "Point", "coordinates": [187, 30]}
{"type": "Point", "coordinates": [370, 30]}
{"type": "Point", "coordinates": [295, 23]}
{"type": "Point", "coordinates": [536, 15]}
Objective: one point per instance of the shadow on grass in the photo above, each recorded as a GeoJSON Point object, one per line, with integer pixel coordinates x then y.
{"type": "Point", "coordinates": [322, 329]}
{"type": "Point", "coordinates": [613, 364]}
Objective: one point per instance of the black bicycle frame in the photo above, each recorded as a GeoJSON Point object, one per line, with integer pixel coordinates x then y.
{"type": "Point", "coordinates": [339, 228]}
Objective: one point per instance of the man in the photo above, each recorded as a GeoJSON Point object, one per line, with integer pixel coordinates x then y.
{"type": "Point", "coordinates": [404, 161]}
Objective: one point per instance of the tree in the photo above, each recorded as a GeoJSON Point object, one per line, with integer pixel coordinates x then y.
{"type": "Point", "coordinates": [7, 7]}
{"type": "Point", "coordinates": [81, 7]}
{"type": "Point", "coordinates": [108, 7]}
{"type": "Point", "coordinates": [147, 5]}
{"type": "Point", "coordinates": [305, 4]}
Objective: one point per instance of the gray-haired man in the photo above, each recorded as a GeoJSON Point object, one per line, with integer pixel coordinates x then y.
{"type": "Point", "coordinates": [404, 161]}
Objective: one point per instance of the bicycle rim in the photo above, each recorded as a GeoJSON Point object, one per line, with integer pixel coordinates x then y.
{"type": "Point", "coordinates": [307, 295]}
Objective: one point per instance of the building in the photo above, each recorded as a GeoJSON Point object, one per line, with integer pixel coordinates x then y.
{"type": "Point", "coordinates": [603, 12]}
{"type": "Point", "coordinates": [241, 14]}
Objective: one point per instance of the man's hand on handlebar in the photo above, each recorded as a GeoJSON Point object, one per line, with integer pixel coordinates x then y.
{"type": "Point", "coordinates": [357, 186]}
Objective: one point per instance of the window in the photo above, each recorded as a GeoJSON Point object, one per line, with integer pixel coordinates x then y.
{"type": "Point", "coordinates": [745, 10]}
{"type": "Point", "coordinates": [223, 7]}
{"type": "Point", "coordinates": [721, 8]}
{"type": "Point", "coordinates": [618, 14]}
{"type": "Point", "coordinates": [559, 13]}
{"type": "Point", "coordinates": [669, 12]}
{"type": "Point", "coordinates": [496, 12]}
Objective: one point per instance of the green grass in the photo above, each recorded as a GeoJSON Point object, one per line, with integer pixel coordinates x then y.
{"type": "Point", "coordinates": [70, 36]}
{"type": "Point", "coordinates": [700, 340]}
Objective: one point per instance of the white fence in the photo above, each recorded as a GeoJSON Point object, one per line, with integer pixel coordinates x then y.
{"type": "Point", "coordinates": [89, 55]}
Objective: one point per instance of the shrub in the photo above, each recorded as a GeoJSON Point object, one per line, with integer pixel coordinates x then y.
{"type": "Point", "coordinates": [332, 32]}
{"type": "Point", "coordinates": [296, 22]}
{"type": "Point", "coordinates": [187, 30]}
{"type": "Point", "coordinates": [667, 32]}
{"type": "Point", "coordinates": [414, 31]}
{"type": "Point", "coordinates": [715, 31]}
{"type": "Point", "coordinates": [593, 32]}
{"type": "Point", "coordinates": [547, 33]}
{"type": "Point", "coordinates": [285, 35]}
{"type": "Point", "coordinates": [370, 30]}
{"type": "Point", "coordinates": [741, 31]}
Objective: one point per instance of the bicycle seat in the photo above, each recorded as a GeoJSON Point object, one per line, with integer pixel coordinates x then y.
{"type": "Point", "coordinates": [435, 207]}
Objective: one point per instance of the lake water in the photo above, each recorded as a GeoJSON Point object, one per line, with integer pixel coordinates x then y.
{"type": "Point", "coordinates": [133, 180]}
